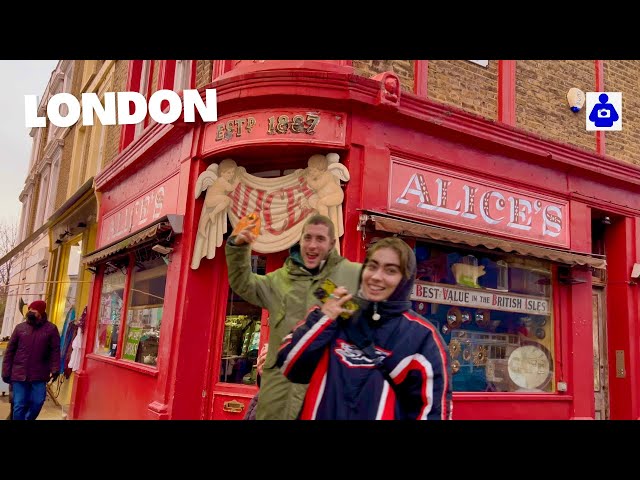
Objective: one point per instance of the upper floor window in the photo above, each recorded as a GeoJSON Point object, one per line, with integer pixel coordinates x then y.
{"type": "Point", "coordinates": [183, 75]}
{"type": "Point", "coordinates": [145, 82]}
{"type": "Point", "coordinates": [149, 76]}
{"type": "Point", "coordinates": [43, 193]}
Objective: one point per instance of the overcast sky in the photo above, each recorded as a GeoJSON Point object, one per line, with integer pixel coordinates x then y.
{"type": "Point", "coordinates": [17, 79]}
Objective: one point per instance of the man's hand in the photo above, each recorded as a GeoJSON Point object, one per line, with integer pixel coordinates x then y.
{"type": "Point", "coordinates": [6, 379]}
{"type": "Point", "coordinates": [246, 235]}
{"type": "Point", "coordinates": [262, 358]}
{"type": "Point", "coordinates": [54, 377]}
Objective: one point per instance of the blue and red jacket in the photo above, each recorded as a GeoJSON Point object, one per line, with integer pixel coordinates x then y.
{"type": "Point", "coordinates": [345, 383]}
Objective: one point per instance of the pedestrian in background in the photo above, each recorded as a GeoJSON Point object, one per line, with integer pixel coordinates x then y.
{"type": "Point", "coordinates": [32, 359]}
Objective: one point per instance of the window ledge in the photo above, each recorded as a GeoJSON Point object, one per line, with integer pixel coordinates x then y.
{"type": "Point", "coordinates": [136, 367]}
{"type": "Point", "coordinates": [511, 397]}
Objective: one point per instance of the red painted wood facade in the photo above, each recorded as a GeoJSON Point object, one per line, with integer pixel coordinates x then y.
{"type": "Point", "coordinates": [376, 127]}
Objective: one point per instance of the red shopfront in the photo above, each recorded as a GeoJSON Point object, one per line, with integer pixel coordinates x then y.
{"type": "Point", "coordinates": [510, 234]}
{"type": "Point", "coordinates": [505, 228]}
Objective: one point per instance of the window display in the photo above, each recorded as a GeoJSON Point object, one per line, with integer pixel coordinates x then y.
{"type": "Point", "coordinates": [494, 311]}
{"type": "Point", "coordinates": [144, 312]}
{"type": "Point", "coordinates": [109, 316]}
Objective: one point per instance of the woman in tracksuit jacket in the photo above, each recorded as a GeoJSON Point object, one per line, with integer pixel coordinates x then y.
{"type": "Point", "coordinates": [383, 362]}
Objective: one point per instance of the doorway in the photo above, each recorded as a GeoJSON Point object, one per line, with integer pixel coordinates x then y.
{"type": "Point", "coordinates": [236, 347]}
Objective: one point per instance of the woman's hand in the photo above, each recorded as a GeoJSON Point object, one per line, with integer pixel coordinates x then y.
{"type": "Point", "coordinates": [333, 307]}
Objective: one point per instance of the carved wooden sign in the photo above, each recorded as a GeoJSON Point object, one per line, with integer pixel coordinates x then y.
{"type": "Point", "coordinates": [139, 212]}
{"type": "Point", "coordinates": [283, 203]}
{"type": "Point", "coordinates": [300, 125]}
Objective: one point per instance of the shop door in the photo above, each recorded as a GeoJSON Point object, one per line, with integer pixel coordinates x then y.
{"type": "Point", "coordinates": [236, 346]}
{"type": "Point", "coordinates": [600, 361]}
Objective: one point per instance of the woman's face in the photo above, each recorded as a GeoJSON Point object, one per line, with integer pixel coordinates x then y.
{"type": "Point", "coordinates": [381, 275]}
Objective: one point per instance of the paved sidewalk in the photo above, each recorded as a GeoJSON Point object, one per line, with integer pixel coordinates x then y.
{"type": "Point", "coordinates": [49, 410]}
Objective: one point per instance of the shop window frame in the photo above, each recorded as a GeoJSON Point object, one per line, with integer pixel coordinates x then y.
{"type": "Point", "coordinates": [558, 295]}
{"type": "Point", "coordinates": [151, 370]}
{"type": "Point", "coordinates": [130, 307]}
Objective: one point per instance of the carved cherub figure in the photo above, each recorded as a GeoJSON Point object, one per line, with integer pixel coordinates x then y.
{"type": "Point", "coordinates": [323, 177]}
{"type": "Point", "coordinates": [219, 181]}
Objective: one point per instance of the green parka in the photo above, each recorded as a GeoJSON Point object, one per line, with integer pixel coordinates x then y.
{"type": "Point", "coordinates": [287, 293]}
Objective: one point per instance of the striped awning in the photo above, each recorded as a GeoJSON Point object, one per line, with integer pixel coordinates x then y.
{"type": "Point", "coordinates": [422, 230]}
{"type": "Point", "coordinates": [162, 228]}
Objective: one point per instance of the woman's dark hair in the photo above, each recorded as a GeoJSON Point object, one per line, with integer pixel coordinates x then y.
{"type": "Point", "coordinates": [397, 245]}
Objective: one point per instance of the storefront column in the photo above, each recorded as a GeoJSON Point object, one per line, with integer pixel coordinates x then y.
{"type": "Point", "coordinates": [80, 385]}
{"type": "Point", "coordinates": [580, 318]}
{"type": "Point", "coordinates": [198, 295]}
{"type": "Point", "coordinates": [581, 345]}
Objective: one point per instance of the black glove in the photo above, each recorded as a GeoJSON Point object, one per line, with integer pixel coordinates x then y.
{"type": "Point", "coordinates": [6, 379]}
{"type": "Point", "coordinates": [54, 377]}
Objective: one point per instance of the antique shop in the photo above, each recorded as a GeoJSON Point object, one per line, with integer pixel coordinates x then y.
{"type": "Point", "coordinates": [525, 248]}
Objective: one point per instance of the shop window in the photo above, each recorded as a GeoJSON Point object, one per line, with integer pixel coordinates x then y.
{"type": "Point", "coordinates": [110, 313]}
{"type": "Point", "coordinates": [241, 338]}
{"type": "Point", "coordinates": [69, 286]}
{"type": "Point", "coordinates": [495, 313]}
{"type": "Point", "coordinates": [144, 312]}
{"type": "Point", "coordinates": [139, 80]}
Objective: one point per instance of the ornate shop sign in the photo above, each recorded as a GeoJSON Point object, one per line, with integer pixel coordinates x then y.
{"type": "Point", "coordinates": [141, 211]}
{"type": "Point", "coordinates": [282, 203]}
{"type": "Point", "coordinates": [445, 196]}
{"type": "Point", "coordinates": [267, 126]}
{"type": "Point", "coordinates": [475, 298]}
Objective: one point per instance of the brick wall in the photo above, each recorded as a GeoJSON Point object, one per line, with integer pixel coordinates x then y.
{"type": "Point", "coordinates": [541, 99]}
{"type": "Point", "coordinates": [204, 70]}
{"type": "Point", "coordinates": [541, 89]}
{"type": "Point", "coordinates": [623, 76]}
{"type": "Point", "coordinates": [402, 68]}
{"type": "Point", "coordinates": [76, 83]}
{"type": "Point", "coordinates": [112, 140]}
{"type": "Point", "coordinates": [465, 85]}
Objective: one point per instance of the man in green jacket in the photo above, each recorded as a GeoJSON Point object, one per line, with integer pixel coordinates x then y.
{"type": "Point", "coordinates": [287, 293]}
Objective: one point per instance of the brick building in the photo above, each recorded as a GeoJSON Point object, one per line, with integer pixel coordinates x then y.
{"type": "Point", "coordinates": [525, 226]}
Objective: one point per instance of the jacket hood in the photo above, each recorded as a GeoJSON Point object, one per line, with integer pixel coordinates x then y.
{"type": "Point", "coordinates": [359, 326]}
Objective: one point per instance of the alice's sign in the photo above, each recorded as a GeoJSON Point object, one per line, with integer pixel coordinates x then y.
{"type": "Point", "coordinates": [445, 196]}
{"type": "Point", "coordinates": [282, 203]}
{"type": "Point", "coordinates": [139, 212]}
{"type": "Point", "coordinates": [475, 298]}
